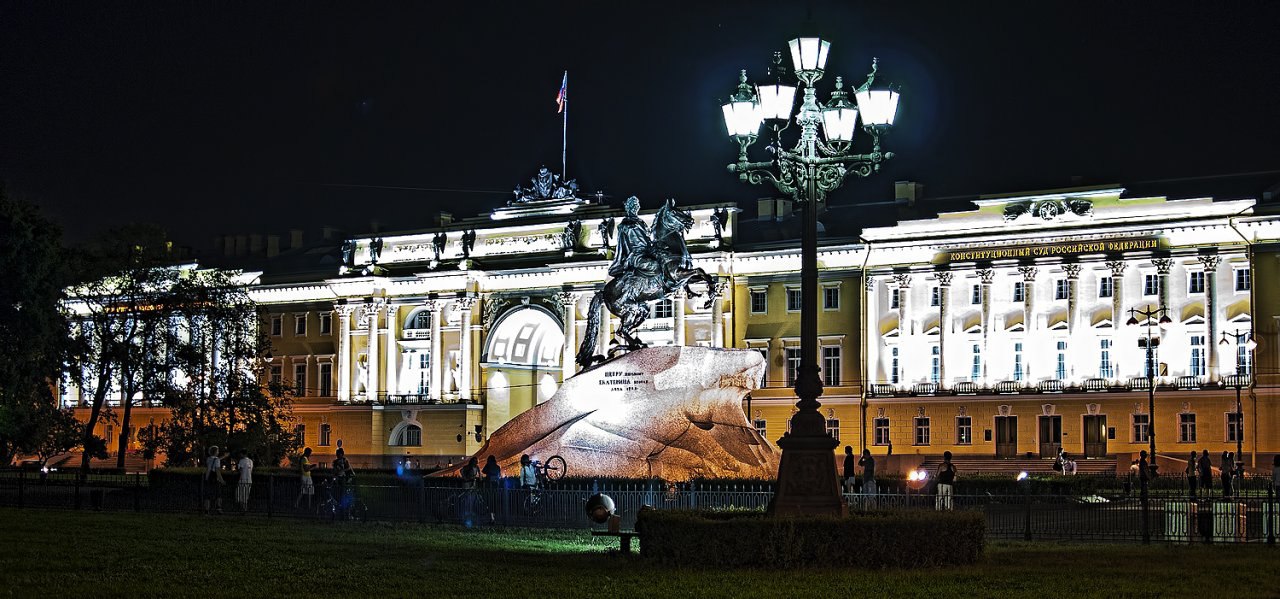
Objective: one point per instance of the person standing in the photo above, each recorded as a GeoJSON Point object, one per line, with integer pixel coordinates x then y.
{"type": "Point", "coordinates": [1227, 469]}
{"type": "Point", "coordinates": [850, 469]}
{"type": "Point", "coordinates": [305, 488]}
{"type": "Point", "coordinates": [528, 472]}
{"type": "Point", "coordinates": [1191, 474]}
{"type": "Point", "coordinates": [1144, 474]}
{"type": "Point", "coordinates": [343, 479]}
{"type": "Point", "coordinates": [868, 464]}
{"type": "Point", "coordinates": [946, 482]}
{"type": "Point", "coordinates": [1206, 473]}
{"type": "Point", "coordinates": [245, 466]}
{"type": "Point", "coordinates": [213, 480]}
{"type": "Point", "coordinates": [492, 472]}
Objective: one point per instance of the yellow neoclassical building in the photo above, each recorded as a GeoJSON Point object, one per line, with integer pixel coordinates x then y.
{"type": "Point", "coordinates": [992, 326]}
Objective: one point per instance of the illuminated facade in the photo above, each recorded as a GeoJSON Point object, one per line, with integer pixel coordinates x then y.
{"type": "Point", "coordinates": [997, 330]}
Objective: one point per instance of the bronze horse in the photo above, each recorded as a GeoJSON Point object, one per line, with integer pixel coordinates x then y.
{"type": "Point", "coordinates": [627, 296]}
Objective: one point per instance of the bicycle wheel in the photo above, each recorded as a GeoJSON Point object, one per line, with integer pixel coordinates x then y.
{"type": "Point", "coordinates": [359, 511]}
{"type": "Point", "coordinates": [555, 468]}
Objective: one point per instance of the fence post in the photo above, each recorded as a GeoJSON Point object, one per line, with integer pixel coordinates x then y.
{"type": "Point", "coordinates": [1026, 528]}
{"type": "Point", "coordinates": [422, 501]}
{"type": "Point", "coordinates": [271, 494]}
{"type": "Point", "coordinates": [1145, 503]}
{"type": "Point", "coordinates": [22, 479]}
{"type": "Point", "coordinates": [1271, 514]}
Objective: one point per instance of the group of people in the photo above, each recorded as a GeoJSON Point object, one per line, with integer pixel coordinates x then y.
{"type": "Point", "coordinates": [866, 482]}
{"type": "Point", "coordinates": [1063, 464]}
{"type": "Point", "coordinates": [1199, 473]}
{"type": "Point", "coordinates": [214, 481]}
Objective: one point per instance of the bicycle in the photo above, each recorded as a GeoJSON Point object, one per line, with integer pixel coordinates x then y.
{"type": "Point", "coordinates": [463, 505]}
{"type": "Point", "coordinates": [552, 470]}
{"type": "Point", "coordinates": [348, 507]}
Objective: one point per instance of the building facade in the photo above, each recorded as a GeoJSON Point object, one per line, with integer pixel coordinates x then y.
{"type": "Point", "coordinates": [994, 331]}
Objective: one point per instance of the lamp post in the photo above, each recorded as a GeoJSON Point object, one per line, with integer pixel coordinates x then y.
{"type": "Point", "coordinates": [1239, 380]}
{"type": "Point", "coordinates": [1150, 343]}
{"type": "Point", "coordinates": [815, 165]}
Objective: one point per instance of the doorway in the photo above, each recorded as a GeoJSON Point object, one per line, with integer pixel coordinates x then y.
{"type": "Point", "coordinates": [1095, 436]}
{"type": "Point", "coordinates": [1006, 436]}
{"type": "Point", "coordinates": [1050, 436]}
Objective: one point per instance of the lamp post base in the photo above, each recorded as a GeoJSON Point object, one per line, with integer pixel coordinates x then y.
{"type": "Point", "coordinates": [807, 482]}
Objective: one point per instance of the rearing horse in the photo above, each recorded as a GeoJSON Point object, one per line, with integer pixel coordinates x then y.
{"type": "Point", "coordinates": [627, 296]}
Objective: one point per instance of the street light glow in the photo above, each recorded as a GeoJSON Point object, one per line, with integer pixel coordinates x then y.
{"type": "Point", "coordinates": [809, 53]}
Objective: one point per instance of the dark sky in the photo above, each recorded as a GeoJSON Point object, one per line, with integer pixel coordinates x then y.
{"type": "Point", "coordinates": [227, 117]}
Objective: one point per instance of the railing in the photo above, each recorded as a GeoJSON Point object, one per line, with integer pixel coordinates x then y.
{"type": "Point", "coordinates": [422, 399]}
{"type": "Point", "coordinates": [1007, 387]}
{"type": "Point", "coordinates": [416, 334]}
{"type": "Point", "coordinates": [1094, 385]}
{"type": "Point", "coordinates": [1139, 383]}
{"type": "Point", "coordinates": [924, 389]}
{"type": "Point", "coordinates": [1189, 382]}
{"type": "Point", "coordinates": [1050, 386]}
{"type": "Point", "coordinates": [883, 390]}
{"type": "Point", "coordinates": [1111, 510]}
{"type": "Point", "coordinates": [965, 388]}
{"type": "Point", "coordinates": [1236, 380]}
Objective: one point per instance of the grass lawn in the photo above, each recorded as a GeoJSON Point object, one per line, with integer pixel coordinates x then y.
{"type": "Point", "coordinates": [76, 554]}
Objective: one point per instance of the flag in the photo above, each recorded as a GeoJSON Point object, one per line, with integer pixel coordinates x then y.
{"type": "Point", "coordinates": [563, 96]}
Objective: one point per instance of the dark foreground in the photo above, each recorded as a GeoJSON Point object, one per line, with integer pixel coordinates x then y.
{"type": "Point", "coordinates": [60, 553]}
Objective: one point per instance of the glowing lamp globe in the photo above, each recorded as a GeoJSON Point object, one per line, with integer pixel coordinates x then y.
{"type": "Point", "coordinates": [742, 118]}
{"type": "Point", "coordinates": [776, 100]}
{"type": "Point", "coordinates": [600, 507]}
{"type": "Point", "coordinates": [840, 117]}
{"type": "Point", "coordinates": [916, 479]}
{"type": "Point", "coordinates": [809, 54]}
{"type": "Point", "coordinates": [879, 106]}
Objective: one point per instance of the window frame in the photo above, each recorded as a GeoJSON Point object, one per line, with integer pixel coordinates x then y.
{"type": "Point", "coordinates": [1150, 284]}
{"type": "Point", "coordinates": [326, 435]}
{"type": "Point", "coordinates": [921, 424]}
{"type": "Point", "coordinates": [300, 383]}
{"type": "Point", "coordinates": [831, 376]}
{"type": "Point", "coordinates": [830, 292]}
{"type": "Point", "coordinates": [895, 298]}
{"type": "Point", "coordinates": [1019, 293]}
{"type": "Point", "coordinates": [300, 325]}
{"type": "Point", "coordinates": [1199, 363]}
{"type": "Point", "coordinates": [1140, 432]}
{"type": "Point", "coordinates": [1106, 367]}
{"type": "Point", "coordinates": [935, 296]}
{"type": "Point", "coordinates": [325, 381]}
{"type": "Point", "coordinates": [880, 430]}
{"type": "Point", "coordinates": [1186, 423]}
{"type": "Point", "coordinates": [277, 325]}
{"type": "Point", "coordinates": [1061, 289]}
{"type": "Point", "coordinates": [326, 323]}
{"type": "Point", "coordinates": [1192, 277]}
{"type": "Point", "coordinates": [792, 355]}
{"type": "Point", "coordinates": [798, 295]}
{"type": "Point", "coordinates": [1241, 284]}
{"type": "Point", "coordinates": [1106, 287]}
{"type": "Point", "coordinates": [762, 294]}
{"type": "Point", "coordinates": [1230, 427]}
{"type": "Point", "coordinates": [833, 428]}
{"type": "Point", "coordinates": [975, 298]}
{"type": "Point", "coordinates": [964, 431]}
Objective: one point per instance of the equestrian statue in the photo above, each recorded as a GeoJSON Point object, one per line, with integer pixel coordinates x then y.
{"type": "Point", "coordinates": [647, 265]}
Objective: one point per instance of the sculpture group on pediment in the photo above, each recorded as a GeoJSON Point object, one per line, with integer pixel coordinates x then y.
{"type": "Point", "coordinates": [546, 186]}
{"type": "Point", "coordinates": [1048, 209]}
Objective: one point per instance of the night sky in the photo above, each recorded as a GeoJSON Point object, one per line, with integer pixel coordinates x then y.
{"type": "Point", "coordinates": [223, 117]}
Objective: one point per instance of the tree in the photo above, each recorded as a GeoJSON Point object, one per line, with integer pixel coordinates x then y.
{"type": "Point", "coordinates": [57, 431]}
{"type": "Point", "coordinates": [32, 276]}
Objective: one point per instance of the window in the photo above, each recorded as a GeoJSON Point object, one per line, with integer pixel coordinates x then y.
{"type": "Point", "coordinates": [1141, 428]}
{"type": "Point", "coordinates": [300, 431]}
{"type": "Point", "coordinates": [936, 373]}
{"type": "Point", "coordinates": [1061, 370]}
{"type": "Point", "coordinates": [760, 426]}
{"type": "Point", "coordinates": [300, 380]}
{"type": "Point", "coordinates": [300, 325]}
{"type": "Point", "coordinates": [895, 297]}
{"type": "Point", "coordinates": [1241, 275]}
{"type": "Point", "coordinates": [935, 296]}
{"type": "Point", "coordinates": [793, 365]}
{"type": "Point", "coordinates": [1061, 289]}
{"type": "Point", "coordinates": [831, 365]}
{"type": "Point", "coordinates": [1235, 432]}
{"type": "Point", "coordinates": [894, 373]}
{"type": "Point", "coordinates": [326, 323]}
{"type": "Point", "coordinates": [922, 430]}
{"type": "Point", "coordinates": [880, 429]}
{"type": "Point", "coordinates": [1244, 360]}
{"type": "Point", "coordinates": [413, 436]}
{"type": "Point", "coordinates": [1105, 369]}
{"type": "Point", "coordinates": [1151, 284]}
{"type": "Point", "coordinates": [1018, 288]}
{"type": "Point", "coordinates": [326, 379]}
{"type": "Point", "coordinates": [276, 375]}
{"type": "Point", "coordinates": [976, 298]}
{"type": "Point", "coordinates": [1106, 287]}
{"type": "Point", "coordinates": [759, 301]}
{"type": "Point", "coordinates": [833, 428]}
{"type": "Point", "coordinates": [794, 301]}
{"type": "Point", "coordinates": [831, 298]}
{"type": "Point", "coordinates": [325, 432]}
{"type": "Point", "coordinates": [1186, 428]}
{"type": "Point", "coordinates": [1197, 355]}
{"type": "Point", "coordinates": [277, 326]}
{"type": "Point", "coordinates": [1017, 361]}
{"type": "Point", "coordinates": [1150, 367]}
{"type": "Point", "coordinates": [976, 375]}
{"type": "Point", "coordinates": [964, 430]}
{"type": "Point", "coordinates": [424, 373]}
{"type": "Point", "coordinates": [1195, 281]}
{"type": "Point", "coordinates": [663, 308]}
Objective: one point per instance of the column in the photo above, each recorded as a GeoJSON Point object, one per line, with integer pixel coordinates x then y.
{"type": "Point", "coordinates": [871, 343]}
{"type": "Point", "coordinates": [606, 332]}
{"type": "Point", "coordinates": [717, 313]}
{"type": "Point", "coordinates": [1163, 265]}
{"type": "Point", "coordinates": [437, 358]}
{"type": "Point", "coordinates": [1117, 290]}
{"type": "Point", "coordinates": [569, 309]}
{"type": "Point", "coordinates": [1073, 282]}
{"type": "Point", "coordinates": [1211, 312]}
{"type": "Point", "coordinates": [393, 349]}
{"type": "Point", "coordinates": [1028, 318]}
{"type": "Point", "coordinates": [677, 317]}
{"type": "Point", "coordinates": [465, 304]}
{"type": "Point", "coordinates": [344, 351]}
{"type": "Point", "coordinates": [944, 287]}
{"type": "Point", "coordinates": [987, 276]}
{"type": "Point", "coordinates": [906, 341]}
{"type": "Point", "coordinates": [371, 386]}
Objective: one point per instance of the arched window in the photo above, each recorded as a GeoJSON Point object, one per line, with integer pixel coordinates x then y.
{"type": "Point", "coordinates": [406, 434]}
{"type": "Point", "coordinates": [526, 336]}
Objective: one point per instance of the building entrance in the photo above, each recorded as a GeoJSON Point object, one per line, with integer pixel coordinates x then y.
{"type": "Point", "coordinates": [1050, 436]}
{"type": "Point", "coordinates": [1006, 436]}
{"type": "Point", "coordinates": [1095, 436]}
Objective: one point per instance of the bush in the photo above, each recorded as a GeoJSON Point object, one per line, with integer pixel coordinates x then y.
{"type": "Point", "coordinates": [867, 540]}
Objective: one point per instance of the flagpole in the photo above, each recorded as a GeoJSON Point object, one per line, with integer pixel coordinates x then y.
{"type": "Point", "coordinates": [564, 132]}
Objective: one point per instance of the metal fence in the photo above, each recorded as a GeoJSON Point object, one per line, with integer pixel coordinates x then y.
{"type": "Point", "coordinates": [1106, 516]}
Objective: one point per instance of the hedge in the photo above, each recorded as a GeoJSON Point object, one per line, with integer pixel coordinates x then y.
{"type": "Point", "coordinates": [866, 540]}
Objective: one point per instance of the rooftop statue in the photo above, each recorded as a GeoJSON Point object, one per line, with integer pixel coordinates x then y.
{"type": "Point", "coordinates": [647, 265]}
{"type": "Point", "coordinates": [546, 186]}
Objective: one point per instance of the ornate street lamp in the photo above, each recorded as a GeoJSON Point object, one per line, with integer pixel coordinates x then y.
{"type": "Point", "coordinates": [1240, 380]}
{"type": "Point", "coordinates": [1150, 343]}
{"type": "Point", "coordinates": [815, 165]}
